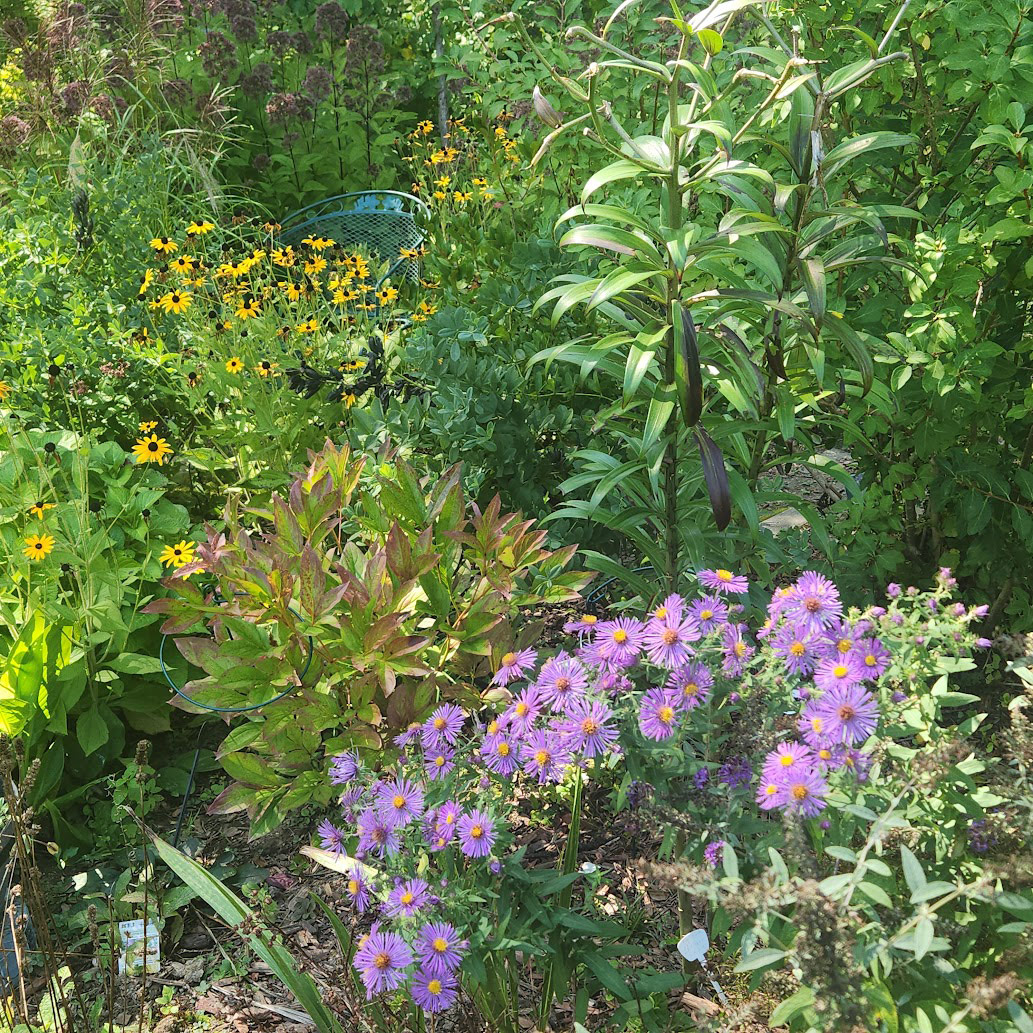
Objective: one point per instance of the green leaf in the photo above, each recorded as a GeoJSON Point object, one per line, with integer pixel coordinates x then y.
{"type": "Point", "coordinates": [622, 169]}
{"type": "Point", "coordinates": [763, 958]}
{"type": "Point", "coordinates": [853, 344]}
{"type": "Point", "coordinates": [923, 938]}
{"type": "Point", "coordinates": [850, 149]}
{"type": "Point", "coordinates": [91, 730]}
{"type": "Point", "coordinates": [913, 874]}
{"type": "Point", "coordinates": [711, 40]}
{"type": "Point", "coordinates": [234, 913]}
{"type": "Point", "coordinates": [606, 972]}
{"type": "Point", "coordinates": [785, 1012]}
{"type": "Point", "coordinates": [135, 663]}
{"type": "Point", "coordinates": [250, 770]}
{"type": "Point", "coordinates": [661, 406]}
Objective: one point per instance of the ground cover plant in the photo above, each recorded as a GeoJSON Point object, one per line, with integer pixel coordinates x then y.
{"type": "Point", "coordinates": [606, 609]}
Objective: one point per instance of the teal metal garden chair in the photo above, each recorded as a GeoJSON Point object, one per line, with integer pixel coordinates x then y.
{"type": "Point", "coordinates": [382, 221]}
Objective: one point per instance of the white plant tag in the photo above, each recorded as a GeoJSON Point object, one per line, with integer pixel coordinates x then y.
{"type": "Point", "coordinates": [133, 939]}
{"type": "Point", "coordinates": [693, 946]}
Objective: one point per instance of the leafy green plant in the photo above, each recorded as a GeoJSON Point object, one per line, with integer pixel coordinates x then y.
{"type": "Point", "coordinates": [360, 613]}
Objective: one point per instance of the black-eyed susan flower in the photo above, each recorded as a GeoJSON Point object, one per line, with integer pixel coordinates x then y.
{"type": "Point", "coordinates": [426, 127]}
{"type": "Point", "coordinates": [175, 301]}
{"type": "Point", "coordinates": [182, 264]}
{"type": "Point", "coordinates": [164, 245]}
{"type": "Point", "coordinates": [349, 399]}
{"type": "Point", "coordinates": [500, 133]}
{"type": "Point", "coordinates": [199, 229]}
{"type": "Point", "coordinates": [39, 508]}
{"type": "Point", "coordinates": [284, 256]}
{"type": "Point", "coordinates": [5, 390]}
{"type": "Point", "coordinates": [315, 265]}
{"type": "Point", "coordinates": [193, 378]}
{"type": "Point", "coordinates": [310, 326]}
{"type": "Point", "coordinates": [265, 368]}
{"type": "Point", "coordinates": [178, 555]}
{"type": "Point", "coordinates": [461, 196]}
{"type": "Point", "coordinates": [148, 279]}
{"type": "Point", "coordinates": [147, 426]}
{"type": "Point", "coordinates": [440, 195]}
{"type": "Point", "coordinates": [442, 181]}
{"type": "Point", "coordinates": [352, 365]}
{"type": "Point", "coordinates": [152, 449]}
{"type": "Point", "coordinates": [234, 365]}
{"type": "Point", "coordinates": [271, 227]}
{"type": "Point", "coordinates": [248, 308]}
{"type": "Point", "coordinates": [37, 546]}
{"type": "Point", "coordinates": [319, 243]}
{"type": "Point", "coordinates": [386, 295]}
{"type": "Point", "coordinates": [292, 290]}
{"type": "Point", "coordinates": [342, 297]}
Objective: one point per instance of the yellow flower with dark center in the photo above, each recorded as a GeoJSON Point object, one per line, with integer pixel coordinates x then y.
{"type": "Point", "coordinates": [182, 264]}
{"type": "Point", "coordinates": [40, 508]}
{"type": "Point", "coordinates": [368, 307]}
{"type": "Point", "coordinates": [310, 326]}
{"type": "Point", "coordinates": [151, 449]}
{"type": "Point", "coordinates": [148, 279]}
{"type": "Point", "coordinates": [147, 426]}
{"type": "Point", "coordinates": [37, 546]}
{"type": "Point", "coordinates": [193, 377]}
{"type": "Point", "coordinates": [461, 197]}
{"type": "Point", "coordinates": [315, 265]}
{"type": "Point", "coordinates": [248, 309]}
{"type": "Point", "coordinates": [257, 254]}
{"type": "Point", "coordinates": [426, 127]}
{"type": "Point", "coordinates": [443, 181]}
{"type": "Point", "coordinates": [5, 390]}
{"type": "Point", "coordinates": [226, 324]}
{"type": "Point", "coordinates": [199, 229]}
{"type": "Point", "coordinates": [500, 133]}
{"type": "Point", "coordinates": [479, 182]}
{"type": "Point", "coordinates": [265, 368]}
{"type": "Point", "coordinates": [271, 227]}
{"type": "Point", "coordinates": [440, 195]}
{"type": "Point", "coordinates": [163, 245]}
{"type": "Point", "coordinates": [284, 256]}
{"type": "Point", "coordinates": [175, 301]}
{"type": "Point", "coordinates": [349, 400]}
{"type": "Point", "coordinates": [352, 365]}
{"type": "Point", "coordinates": [319, 243]}
{"type": "Point", "coordinates": [438, 158]}
{"type": "Point", "coordinates": [386, 295]}
{"type": "Point", "coordinates": [292, 290]}
{"type": "Point", "coordinates": [341, 297]}
{"type": "Point", "coordinates": [178, 555]}
{"type": "Point", "coordinates": [427, 309]}
{"type": "Point", "coordinates": [234, 365]}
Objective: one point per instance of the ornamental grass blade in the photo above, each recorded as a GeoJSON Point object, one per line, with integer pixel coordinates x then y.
{"type": "Point", "coordinates": [716, 476]}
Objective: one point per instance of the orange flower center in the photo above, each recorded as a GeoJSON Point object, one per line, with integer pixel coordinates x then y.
{"type": "Point", "coordinates": [382, 961]}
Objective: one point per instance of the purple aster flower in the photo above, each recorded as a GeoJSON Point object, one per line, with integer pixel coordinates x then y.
{"type": "Point", "coordinates": [770, 794]}
{"type": "Point", "coordinates": [583, 625]}
{"type": "Point", "coordinates": [693, 682]}
{"type": "Point", "coordinates": [796, 648]}
{"type": "Point", "coordinates": [786, 759]}
{"type": "Point", "coordinates": [835, 672]}
{"type": "Point", "coordinates": [849, 759]}
{"type": "Point", "coordinates": [438, 763]}
{"type": "Point", "coordinates": [619, 642]}
{"type": "Point", "coordinates": [376, 835]}
{"type": "Point", "coordinates": [331, 837]}
{"type": "Point", "coordinates": [840, 640]}
{"type": "Point", "coordinates": [893, 590]}
{"type": "Point", "coordinates": [587, 728]}
{"type": "Point", "coordinates": [875, 658]}
{"type": "Point", "coordinates": [381, 961]}
{"type": "Point", "coordinates": [400, 802]}
{"type": "Point", "coordinates": [814, 725]}
{"type": "Point", "coordinates": [562, 679]}
{"type": "Point", "coordinates": [946, 577]}
{"type": "Point", "coordinates": [358, 890]}
{"type": "Point", "coordinates": [407, 898]}
{"type": "Point", "coordinates": [851, 713]}
{"type": "Point", "coordinates": [737, 650]}
{"type": "Point", "coordinates": [514, 665]}
{"type": "Point", "coordinates": [521, 713]}
{"type": "Point", "coordinates": [713, 852]}
{"type": "Point", "coordinates": [343, 768]}
{"type": "Point", "coordinates": [804, 793]}
{"type": "Point", "coordinates": [500, 753]}
{"type": "Point", "coordinates": [351, 797]}
{"type": "Point", "coordinates": [444, 725]}
{"type": "Point", "coordinates": [433, 991]}
{"type": "Point", "coordinates": [710, 612]}
{"type": "Point", "coordinates": [722, 580]}
{"type": "Point", "coordinates": [735, 772]}
{"type": "Point", "coordinates": [666, 642]}
{"type": "Point", "coordinates": [410, 735]}
{"type": "Point", "coordinates": [815, 603]}
{"type": "Point", "coordinates": [670, 609]}
{"type": "Point", "coordinates": [658, 713]}
{"type": "Point", "coordinates": [439, 947]}
{"type": "Point", "coordinates": [544, 756]}
{"type": "Point", "coordinates": [476, 834]}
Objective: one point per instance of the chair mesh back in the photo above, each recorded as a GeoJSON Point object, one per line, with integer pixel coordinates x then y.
{"type": "Point", "coordinates": [382, 223]}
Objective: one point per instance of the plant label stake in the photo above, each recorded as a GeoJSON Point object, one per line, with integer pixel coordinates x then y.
{"type": "Point", "coordinates": [693, 947]}
{"type": "Point", "coordinates": [134, 939]}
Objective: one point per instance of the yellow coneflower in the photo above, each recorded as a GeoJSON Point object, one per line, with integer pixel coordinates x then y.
{"type": "Point", "coordinates": [443, 181]}
{"type": "Point", "coordinates": [429, 285]}
{"type": "Point", "coordinates": [248, 309]}
{"type": "Point", "coordinates": [368, 307]}
{"type": "Point", "coordinates": [461, 196]}
{"type": "Point", "coordinates": [271, 227]}
{"type": "Point", "coordinates": [284, 256]}
{"type": "Point", "coordinates": [341, 297]}
{"type": "Point", "coordinates": [199, 229]}
{"type": "Point", "coordinates": [234, 365]}
{"type": "Point", "coordinates": [352, 365]}
{"type": "Point", "coordinates": [39, 508]}
{"type": "Point", "coordinates": [478, 182]}
{"type": "Point", "coordinates": [440, 195]}
{"type": "Point", "coordinates": [349, 400]}
{"type": "Point", "coordinates": [319, 243]}
{"type": "Point", "coordinates": [425, 127]}
{"type": "Point", "coordinates": [148, 279]}
{"type": "Point", "coordinates": [427, 309]}
{"type": "Point", "coordinates": [37, 546]}
{"type": "Point", "coordinates": [147, 426]}
{"type": "Point", "coordinates": [500, 133]}
{"type": "Point", "coordinates": [265, 368]}
{"type": "Point", "coordinates": [195, 283]}
{"type": "Point", "coordinates": [386, 295]}
{"type": "Point", "coordinates": [341, 280]}
{"type": "Point", "coordinates": [178, 555]}
{"type": "Point", "coordinates": [315, 265]}
{"type": "Point", "coordinates": [175, 301]}
{"type": "Point", "coordinates": [182, 264]}
{"type": "Point", "coordinates": [438, 158]}
{"type": "Point", "coordinates": [164, 245]}
{"type": "Point", "coordinates": [5, 390]}
{"type": "Point", "coordinates": [292, 290]}
{"type": "Point", "coordinates": [152, 450]}
{"type": "Point", "coordinates": [257, 254]}
{"type": "Point", "coordinates": [284, 331]}
{"type": "Point", "coordinates": [193, 377]}
{"type": "Point", "coordinates": [226, 324]}
{"type": "Point", "coordinates": [310, 326]}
